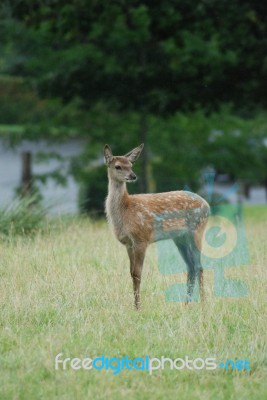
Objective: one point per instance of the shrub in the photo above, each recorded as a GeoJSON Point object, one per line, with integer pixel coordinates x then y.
{"type": "Point", "coordinates": [93, 190]}
{"type": "Point", "coordinates": [22, 217]}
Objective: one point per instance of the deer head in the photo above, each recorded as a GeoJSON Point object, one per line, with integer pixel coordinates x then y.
{"type": "Point", "coordinates": [120, 167]}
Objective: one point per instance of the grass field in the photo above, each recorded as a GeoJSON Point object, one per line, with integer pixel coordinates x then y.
{"type": "Point", "coordinates": [68, 290]}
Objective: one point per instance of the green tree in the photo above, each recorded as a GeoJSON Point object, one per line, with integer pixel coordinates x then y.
{"type": "Point", "coordinates": [140, 63]}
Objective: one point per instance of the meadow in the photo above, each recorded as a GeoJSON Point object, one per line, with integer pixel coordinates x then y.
{"type": "Point", "coordinates": [67, 289]}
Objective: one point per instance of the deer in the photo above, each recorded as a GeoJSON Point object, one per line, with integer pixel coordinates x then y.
{"type": "Point", "coordinates": [141, 219]}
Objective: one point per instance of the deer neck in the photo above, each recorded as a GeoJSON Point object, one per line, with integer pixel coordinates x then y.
{"type": "Point", "coordinates": [116, 201]}
{"type": "Point", "coordinates": [117, 191]}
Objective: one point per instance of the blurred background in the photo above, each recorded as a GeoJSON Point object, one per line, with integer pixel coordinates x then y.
{"type": "Point", "coordinates": [189, 79]}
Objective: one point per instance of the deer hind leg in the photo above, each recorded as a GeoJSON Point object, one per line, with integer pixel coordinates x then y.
{"type": "Point", "coordinates": [198, 240]}
{"type": "Point", "coordinates": [191, 255]}
{"type": "Point", "coordinates": [136, 255]}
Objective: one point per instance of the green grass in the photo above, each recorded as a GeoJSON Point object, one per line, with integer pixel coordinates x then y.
{"type": "Point", "coordinates": [69, 291]}
{"type": "Point", "coordinates": [258, 213]}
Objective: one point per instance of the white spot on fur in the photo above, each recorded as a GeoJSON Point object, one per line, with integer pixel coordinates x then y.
{"type": "Point", "coordinates": [141, 217]}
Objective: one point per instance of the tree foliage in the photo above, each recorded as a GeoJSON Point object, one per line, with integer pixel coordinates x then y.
{"type": "Point", "coordinates": [160, 56]}
{"type": "Point", "coordinates": [187, 78]}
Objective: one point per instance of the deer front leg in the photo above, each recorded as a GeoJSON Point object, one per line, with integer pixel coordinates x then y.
{"type": "Point", "coordinates": [136, 255]}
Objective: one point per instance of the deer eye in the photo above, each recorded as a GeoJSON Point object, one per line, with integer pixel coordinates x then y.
{"type": "Point", "coordinates": [117, 166]}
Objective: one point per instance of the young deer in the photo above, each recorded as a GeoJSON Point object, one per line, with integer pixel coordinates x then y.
{"type": "Point", "coordinates": [139, 220]}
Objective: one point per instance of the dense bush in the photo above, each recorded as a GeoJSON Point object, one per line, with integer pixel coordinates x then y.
{"type": "Point", "coordinates": [93, 190]}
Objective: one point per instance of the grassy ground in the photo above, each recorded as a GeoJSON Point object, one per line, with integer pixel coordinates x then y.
{"type": "Point", "coordinates": [68, 291]}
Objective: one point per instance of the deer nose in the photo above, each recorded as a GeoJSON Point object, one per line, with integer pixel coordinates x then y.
{"type": "Point", "coordinates": [133, 177]}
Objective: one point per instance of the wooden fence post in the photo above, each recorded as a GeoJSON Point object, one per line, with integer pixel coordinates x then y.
{"type": "Point", "coordinates": [26, 177]}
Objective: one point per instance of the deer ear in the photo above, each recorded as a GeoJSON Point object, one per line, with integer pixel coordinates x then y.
{"type": "Point", "coordinates": [108, 154]}
{"type": "Point", "coordinates": [134, 154]}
